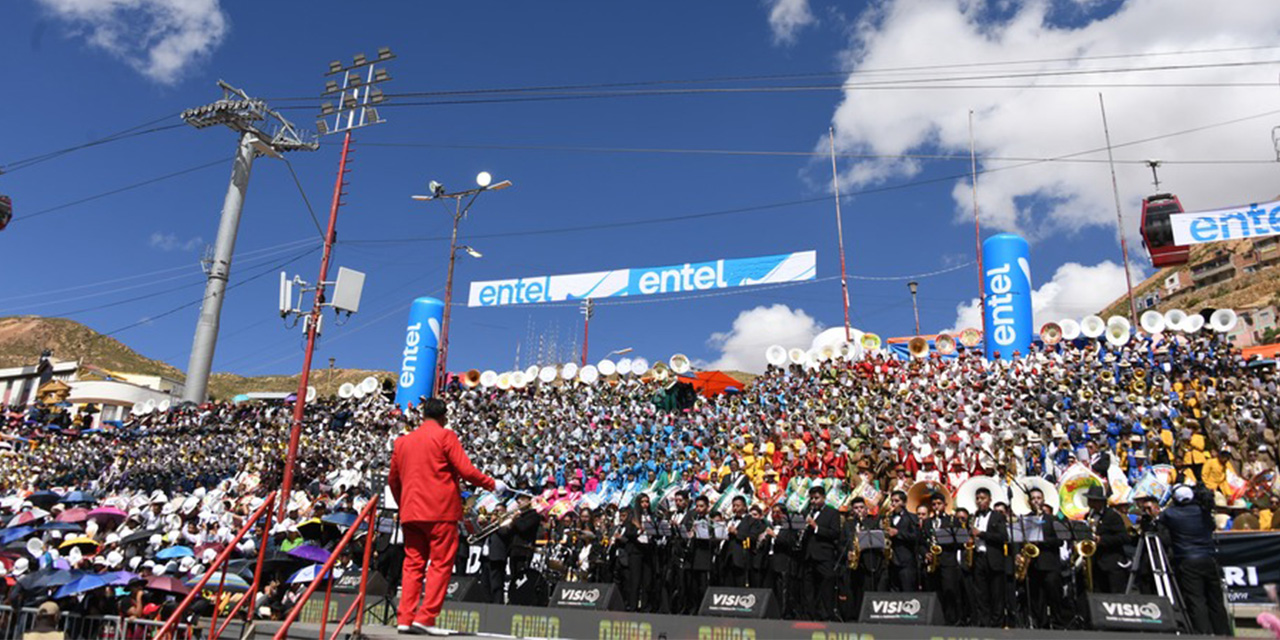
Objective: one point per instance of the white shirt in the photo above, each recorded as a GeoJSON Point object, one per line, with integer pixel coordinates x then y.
{"type": "Point", "coordinates": [980, 523]}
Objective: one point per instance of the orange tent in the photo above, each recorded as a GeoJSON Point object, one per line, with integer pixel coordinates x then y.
{"type": "Point", "coordinates": [712, 383]}
{"type": "Point", "coordinates": [1262, 351]}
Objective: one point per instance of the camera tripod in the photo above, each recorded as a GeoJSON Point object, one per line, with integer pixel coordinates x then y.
{"type": "Point", "coordinates": [1150, 549]}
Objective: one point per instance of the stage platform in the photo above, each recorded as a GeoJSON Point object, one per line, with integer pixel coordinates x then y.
{"type": "Point", "coordinates": [495, 621]}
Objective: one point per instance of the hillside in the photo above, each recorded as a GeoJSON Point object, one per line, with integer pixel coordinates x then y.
{"type": "Point", "coordinates": [22, 338]}
{"type": "Point", "coordinates": [1244, 290]}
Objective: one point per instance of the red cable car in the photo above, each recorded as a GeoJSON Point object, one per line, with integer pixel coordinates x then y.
{"type": "Point", "coordinates": [1157, 230]}
{"type": "Point", "coordinates": [6, 211]}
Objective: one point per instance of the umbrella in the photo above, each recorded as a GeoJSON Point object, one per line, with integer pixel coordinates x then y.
{"type": "Point", "coordinates": [233, 582]}
{"type": "Point", "coordinates": [44, 499]}
{"type": "Point", "coordinates": [119, 578]}
{"type": "Point", "coordinates": [60, 526]}
{"type": "Point", "coordinates": [216, 546]}
{"type": "Point", "coordinates": [83, 583]}
{"type": "Point", "coordinates": [79, 497]}
{"type": "Point", "coordinates": [139, 536]}
{"type": "Point", "coordinates": [167, 583]}
{"type": "Point", "coordinates": [87, 546]}
{"type": "Point", "coordinates": [108, 514]}
{"type": "Point", "coordinates": [274, 560]}
{"type": "Point", "coordinates": [27, 517]}
{"type": "Point", "coordinates": [15, 533]}
{"type": "Point", "coordinates": [309, 573]}
{"type": "Point", "coordinates": [78, 514]}
{"type": "Point", "coordinates": [310, 553]}
{"type": "Point", "coordinates": [175, 552]}
{"type": "Point", "coordinates": [315, 529]}
{"type": "Point", "coordinates": [48, 578]}
{"type": "Point", "coordinates": [342, 519]}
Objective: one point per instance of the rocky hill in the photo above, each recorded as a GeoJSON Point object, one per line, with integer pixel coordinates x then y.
{"type": "Point", "coordinates": [1262, 287]}
{"type": "Point", "coordinates": [22, 338]}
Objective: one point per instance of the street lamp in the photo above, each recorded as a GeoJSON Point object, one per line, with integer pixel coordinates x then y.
{"type": "Point", "coordinates": [619, 352]}
{"type": "Point", "coordinates": [913, 286]}
{"type": "Point", "coordinates": [484, 182]}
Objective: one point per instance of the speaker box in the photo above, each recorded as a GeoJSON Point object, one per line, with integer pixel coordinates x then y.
{"type": "Point", "coordinates": [730, 602]}
{"type": "Point", "coordinates": [591, 596]}
{"type": "Point", "coordinates": [1118, 612]}
{"type": "Point", "coordinates": [465, 589]}
{"type": "Point", "coordinates": [901, 608]}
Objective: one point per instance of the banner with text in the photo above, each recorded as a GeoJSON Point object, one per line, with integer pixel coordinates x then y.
{"type": "Point", "coordinates": [1249, 562]}
{"type": "Point", "coordinates": [684, 278]}
{"type": "Point", "coordinates": [1252, 221]}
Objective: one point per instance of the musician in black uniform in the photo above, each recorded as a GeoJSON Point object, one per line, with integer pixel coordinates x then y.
{"type": "Point", "coordinates": [701, 557]}
{"type": "Point", "coordinates": [520, 546]}
{"type": "Point", "coordinates": [903, 530]}
{"type": "Point", "coordinates": [1110, 563]}
{"type": "Point", "coordinates": [495, 562]}
{"type": "Point", "coordinates": [990, 531]}
{"type": "Point", "coordinates": [681, 523]}
{"type": "Point", "coordinates": [948, 577]}
{"type": "Point", "coordinates": [870, 561]}
{"type": "Point", "coordinates": [739, 547]}
{"type": "Point", "coordinates": [1044, 576]}
{"type": "Point", "coordinates": [755, 574]}
{"type": "Point", "coordinates": [778, 549]}
{"type": "Point", "coordinates": [637, 535]}
{"type": "Point", "coordinates": [818, 574]}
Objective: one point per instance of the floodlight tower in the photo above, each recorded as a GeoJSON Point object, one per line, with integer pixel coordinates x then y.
{"type": "Point", "coordinates": [358, 96]}
{"type": "Point", "coordinates": [237, 111]}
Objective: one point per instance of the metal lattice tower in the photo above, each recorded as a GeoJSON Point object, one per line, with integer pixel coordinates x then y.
{"type": "Point", "coordinates": [262, 132]}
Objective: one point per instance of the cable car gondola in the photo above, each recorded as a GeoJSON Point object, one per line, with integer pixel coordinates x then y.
{"type": "Point", "coordinates": [1157, 230]}
{"type": "Point", "coordinates": [6, 211]}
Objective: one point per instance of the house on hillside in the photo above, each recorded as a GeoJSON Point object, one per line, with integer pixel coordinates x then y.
{"type": "Point", "coordinates": [1254, 323]}
{"type": "Point", "coordinates": [114, 393]}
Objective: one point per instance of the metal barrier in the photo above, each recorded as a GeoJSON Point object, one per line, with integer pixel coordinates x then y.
{"type": "Point", "coordinates": [368, 516]}
{"type": "Point", "coordinates": [166, 632]}
{"type": "Point", "coordinates": [74, 626]}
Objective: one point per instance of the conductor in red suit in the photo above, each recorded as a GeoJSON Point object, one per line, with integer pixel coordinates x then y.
{"type": "Point", "coordinates": [426, 468]}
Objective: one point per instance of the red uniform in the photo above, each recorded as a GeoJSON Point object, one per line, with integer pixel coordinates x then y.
{"type": "Point", "coordinates": [426, 466]}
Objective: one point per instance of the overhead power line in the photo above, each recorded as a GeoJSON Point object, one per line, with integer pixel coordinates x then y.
{"type": "Point", "coordinates": [112, 192]}
{"type": "Point", "coordinates": [131, 132]}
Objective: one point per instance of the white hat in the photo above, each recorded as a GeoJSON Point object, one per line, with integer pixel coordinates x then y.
{"type": "Point", "coordinates": [1183, 494]}
{"type": "Point", "coordinates": [20, 566]}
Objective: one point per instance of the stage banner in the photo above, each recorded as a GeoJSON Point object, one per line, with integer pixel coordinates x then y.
{"type": "Point", "coordinates": [1248, 561]}
{"type": "Point", "coordinates": [1252, 221]}
{"type": "Point", "coordinates": [683, 278]}
{"type": "Point", "coordinates": [421, 348]}
{"type": "Point", "coordinates": [1006, 279]}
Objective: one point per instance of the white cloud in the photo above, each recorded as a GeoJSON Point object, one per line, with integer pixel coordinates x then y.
{"type": "Point", "coordinates": [1016, 121]}
{"type": "Point", "coordinates": [1074, 291]}
{"type": "Point", "coordinates": [754, 330]}
{"type": "Point", "coordinates": [787, 18]}
{"type": "Point", "coordinates": [171, 242]}
{"type": "Point", "coordinates": [160, 39]}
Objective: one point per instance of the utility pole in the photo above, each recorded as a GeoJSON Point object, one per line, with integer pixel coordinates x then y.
{"type": "Point", "coordinates": [1115, 190]}
{"type": "Point", "coordinates": [588, 310]}
{"type": "Point", "coordinates": [358, 97]}
{"type": "Point", "coordinates": [844, 281]}
{"type": "Point", "coordinates": [237, 111]}
{"type": "Point", "coordinates": [913, 285]}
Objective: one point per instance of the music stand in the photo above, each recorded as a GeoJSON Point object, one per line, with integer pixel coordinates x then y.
{"type": "Point", "coordinates": [720, 531]}
{"type": "Point", "coordinates": [1074, 531]}
{"type": "Point", "coordinates": [871, 540]}
{"type": "Point", "coordinates": [701, 530]}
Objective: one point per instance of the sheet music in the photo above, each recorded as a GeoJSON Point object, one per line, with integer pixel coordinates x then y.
{"type": "Point", "coordinates": [722, 531]}
{"type": "Point", "coordinates": [702, 530]}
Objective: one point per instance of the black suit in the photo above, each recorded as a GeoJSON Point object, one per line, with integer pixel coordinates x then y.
{"type": "Point", "coordinates": [902, 566]}
{"type": "Point", "coordinates": [640, 565]}
{"type": "Point", "coordinates": [1110, 563]}
{"type": "Point", "coordinates": [989, 569]}
{"type": "Point", "coordinates": [1044, 580]}
{"type": "Point", "coordinates": [819, 570]}
{"type": "Point", "coordinates": [524, 534]}
{"type": "Point", "coordinates": [700, 561]}
{"type": "Point", "coordinates": [739, 551]}
{"type": "Point", "coordinates": [495, 565]}
{"type": "Point", "coordinates": [950, 591]}
{"type": "Point", "coordinates": [780, 559]}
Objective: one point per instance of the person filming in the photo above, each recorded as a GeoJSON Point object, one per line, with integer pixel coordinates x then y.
{"type": "Point", "coordinates": [1189, 525]}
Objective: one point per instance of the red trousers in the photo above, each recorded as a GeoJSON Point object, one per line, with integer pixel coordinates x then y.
{"type": "Point", "coordinates": [423, 541]}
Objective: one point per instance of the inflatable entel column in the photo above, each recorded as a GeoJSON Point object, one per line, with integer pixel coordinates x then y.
{"type": "Point", "coordinates": [421, 350]}
{"type": "Point", "coordinates": [1006, 280]}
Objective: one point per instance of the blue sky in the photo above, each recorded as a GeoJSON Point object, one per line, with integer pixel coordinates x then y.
{"type": "Point", "coordinates": [76, 77]}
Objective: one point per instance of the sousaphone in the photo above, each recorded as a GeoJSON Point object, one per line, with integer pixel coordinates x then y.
{"type": "Point", "coordinates": [871, 341]}
{"type": "Point", "coordinates": [471, 378]}
{"type": "Point", "coordinates": [945, 344]}
{"type": "Point", "coordinates": [680, 364]}
{"type": "Point", "coordinates": [968, 490]}
{"type": "Point", "coordinates": [346, 391]}
{"type": "Point", "coordinates": [1022, 491]}
{"type": "Point", "coordinates": [797, 355]}
{"type": "Point", "coordinates": [776, 355]}
{"type": "Point", "coordinates": [1070, 329]}
{"type": "Point", "coordinates": [922, 491]}
{"type": "Point", "coordinates": [1092, 327]}
{"type": "Point", "coordinates": [1223, 320]}
{"type": "Point", "coordinates": [489, 379]}
{"type": "Point", "coordinates": [1051, 333]}
{"type": "Point", "coordinates": [918, 347]}
{"type": "Point", "coordinates": [970, 337]}
{"type": "Point", "coordinates": [1174, 319]}
{"type": "Point", "coordinates": [1151, 321]}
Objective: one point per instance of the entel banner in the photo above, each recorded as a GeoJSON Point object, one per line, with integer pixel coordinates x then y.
{"type": "Point", "coordinates": [699, 276]}
{"type": "Point", "coordinates": [1255, 220]}
{"type": "Point", "coordinates": [1007, 280]}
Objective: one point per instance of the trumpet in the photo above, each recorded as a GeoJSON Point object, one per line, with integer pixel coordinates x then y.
{"type": "Point", "coordinates": [888, 543]}
{"type": "Point", "coordinates": [856, 552]}
{"type": "Point", "coordinates": [492, 528]}
{"type": "Point", "coordinates": [1022, 564]}
{"type": "Point", "coordinates": [1084, 550]}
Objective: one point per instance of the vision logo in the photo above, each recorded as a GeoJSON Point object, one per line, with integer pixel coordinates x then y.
{"type": "Point", "coordinates": [585, 596]}
{"type": "Point", "coordinates": [733, 601]}
{"type": "Point", "coordinates": [896, 608]}
{"type": "Point", "coordinates": [1150, 611]}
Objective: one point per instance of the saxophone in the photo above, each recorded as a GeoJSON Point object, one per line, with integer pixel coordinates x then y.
{"type": "Point", "coordinates": [856, 552]}
{"type": "Point", "coordinates": [1022, 564]}
{"type": "Point", "coordinates": [888, 542]}
{"type": "Point", "coordinates": [970, 550]}
{"type": "Point", "coordinates": [935, 552]}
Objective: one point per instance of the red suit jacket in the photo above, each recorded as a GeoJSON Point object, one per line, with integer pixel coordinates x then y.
{"type": "Point", "coordinates": [426, 466]}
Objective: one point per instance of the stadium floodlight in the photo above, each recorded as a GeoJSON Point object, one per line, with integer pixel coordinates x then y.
{"type": "Point", "coordinates": [335, 67]}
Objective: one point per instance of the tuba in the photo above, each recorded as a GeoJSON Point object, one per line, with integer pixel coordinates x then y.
{"type": "Point", "coordinates": [918, 347]}
{"type": "Point", "coordinates": [1051, 333]}
{"type": "Point", "coordinates": [945, 344]}
{"type": "Point", "coordinates": [471, 378]}
{"type": "Point", "coordinates": [680, 364]}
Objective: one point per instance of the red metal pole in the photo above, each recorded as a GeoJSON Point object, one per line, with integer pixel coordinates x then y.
{"type": "Point", "coordinates": [441, 361]}
{"type": "Point", "coordinates": [283, 631]}
{"type": "Point", "coordinates": [300, 402]}
{"type": "Point", "coordinates": [357, 605]}
{"type": "Point", "coordinates": [252, 593]}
